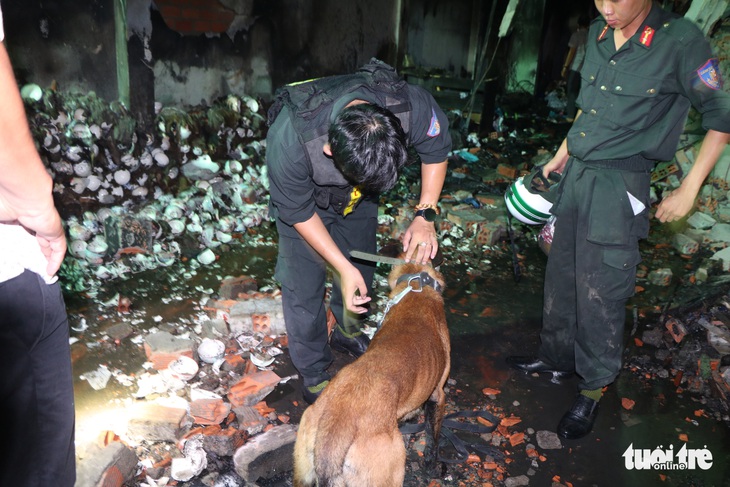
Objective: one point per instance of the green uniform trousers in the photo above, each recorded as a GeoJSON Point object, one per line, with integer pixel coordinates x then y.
{"type": "Point", "coordinates": [591, 269]}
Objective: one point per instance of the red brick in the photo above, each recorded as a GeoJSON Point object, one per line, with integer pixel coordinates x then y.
{"type": "Point", "coordinates": [507, 171]}
{"type": "Point", "coordinates": [181, 26]}
{"type": "Point", "coordinates": [112, 478]}
{"type": "Point", "coordinates": [209, 411]}
{"type": "Point", "coordinates": [261, 323]}
{"type": "Point", "coordinates": [251, 386]}
{"type": "Point", "coordinates": [170, 12]}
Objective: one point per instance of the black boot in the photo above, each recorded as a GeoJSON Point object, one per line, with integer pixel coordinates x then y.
{"type": "Point", "coordinates": [578, 422]}
{"type": "Point", "coordinates": [354, 344]}
{"type": "Point", "coordinates": [311, 393]}
{"type": "Point", "coordinates": [530, 364]}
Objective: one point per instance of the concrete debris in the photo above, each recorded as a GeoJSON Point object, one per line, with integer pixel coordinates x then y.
{"type": "Point", "coordinates": [182, 196]}
{"type": "Point", "coordinates": [267, 454]}
{"type": "Point", "coordinates": [192, 463]}
{"type": "Point", "coordinates": [112, 465]}
{"type": "Point", "coordinates": [162, 348]}
{"type": "Point", "coordinates": [99, 378]}
{"type": "Point", "coordinates": [155, 422]}
{"type": "Point", "coordinates": [548, 440]}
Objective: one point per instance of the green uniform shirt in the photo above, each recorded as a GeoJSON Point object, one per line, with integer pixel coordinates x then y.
{"type": "Point", "coordinates": [635, 100]}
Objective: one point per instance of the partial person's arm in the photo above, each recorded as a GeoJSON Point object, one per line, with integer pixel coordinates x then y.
{"type": "Point", "coordinates": [25, 185]}
{"type": "Point", "coordinates": [680, 201]}
{"type": "Point", "coordinates": [421, 231]}
{"type": "Point", "coordinates": [568, 61]}
{"type": "Point", "coordinates": [354, 289]}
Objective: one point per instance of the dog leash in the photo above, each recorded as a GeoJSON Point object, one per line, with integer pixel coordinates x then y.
{"type": "Point", "coordinates": [463, 449]}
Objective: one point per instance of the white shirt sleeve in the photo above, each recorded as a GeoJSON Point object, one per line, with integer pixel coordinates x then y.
{"type": "Point", "coordinates": [2, 32]}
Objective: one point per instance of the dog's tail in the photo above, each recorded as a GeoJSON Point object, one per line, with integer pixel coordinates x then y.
{"type": "Point", "coordinates": [304, 475]}
{"type": "Point", "coordinates": [335, 439]}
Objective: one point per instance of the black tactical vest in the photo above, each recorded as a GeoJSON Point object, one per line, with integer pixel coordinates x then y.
{"type": "Point", "coordinates": [310, 104]}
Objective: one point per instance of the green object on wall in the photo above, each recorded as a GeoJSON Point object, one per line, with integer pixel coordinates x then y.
{"type": "Point", "coordinates": [120, 37]}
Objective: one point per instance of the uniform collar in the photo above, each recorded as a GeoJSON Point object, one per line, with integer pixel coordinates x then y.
{"type": "Point", "coordinates": [656, 19]}
{"type": "Point", "coordinates": [644, 36]}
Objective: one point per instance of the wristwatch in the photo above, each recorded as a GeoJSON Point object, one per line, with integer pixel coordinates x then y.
{"type": "Point", "coordinates": [428, 214]}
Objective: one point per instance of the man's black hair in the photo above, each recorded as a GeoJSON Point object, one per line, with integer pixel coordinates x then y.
{"type": "Point", "coordinates": [369, 147]}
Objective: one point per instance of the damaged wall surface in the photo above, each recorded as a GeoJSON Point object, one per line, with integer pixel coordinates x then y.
{"type": "Point", "coordinates": [71, 44]}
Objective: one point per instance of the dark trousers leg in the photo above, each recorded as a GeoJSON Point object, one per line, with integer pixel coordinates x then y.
{"type": "Point", "coordinates": [36, 391]}
{"type": "Point", "coordinates": [354, 232]}
{"type": "Point", "coordinates": [559, 321]}
{"type": "Point", "coordinates": [587, 284]}
{"type": "Point", "coordinates": [302, 272]}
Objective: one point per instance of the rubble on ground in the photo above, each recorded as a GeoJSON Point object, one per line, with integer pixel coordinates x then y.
{"type": "Point", "coordinates": [182, 197]}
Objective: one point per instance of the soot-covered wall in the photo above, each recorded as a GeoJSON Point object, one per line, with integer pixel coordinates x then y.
{"type": "Point", "coordinates": [266, 44]}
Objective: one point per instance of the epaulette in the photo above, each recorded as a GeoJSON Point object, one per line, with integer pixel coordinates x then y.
{"type": "Point", "coordinates": [682, 30]}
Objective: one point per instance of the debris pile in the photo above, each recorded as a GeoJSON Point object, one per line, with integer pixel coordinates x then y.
{"type": "Point", "coordinates": [184, 195]}
{"type": "Point", "coordinates": [135, 200]}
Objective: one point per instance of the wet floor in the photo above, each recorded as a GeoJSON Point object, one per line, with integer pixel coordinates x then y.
{"type": "Point", "coordinates": [491, 315]}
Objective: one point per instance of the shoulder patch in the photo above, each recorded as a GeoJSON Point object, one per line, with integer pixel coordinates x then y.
{"type": "Point", "coordinates": [435, 127]}
{"type": "Point", "coordinates": [709, 73]}
{"type": "Point", "coordinates": [684, 31]}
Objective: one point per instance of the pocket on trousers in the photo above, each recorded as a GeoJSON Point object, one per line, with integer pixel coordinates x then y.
{"type": "Point", "coordinates": [611, 216]}
{"type": "Point", "coordinates": [619, 272]}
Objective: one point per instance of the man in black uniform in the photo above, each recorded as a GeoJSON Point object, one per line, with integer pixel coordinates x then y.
{"type": "Point", "coordinates": [333, 145]}
{"type": "Point", "coordinates": [643, 69]}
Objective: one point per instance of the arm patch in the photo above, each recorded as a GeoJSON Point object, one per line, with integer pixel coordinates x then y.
{"type": "Point", "coordinates": [435, 127]}
{"type": "Point", "coordinates": [709, 73]}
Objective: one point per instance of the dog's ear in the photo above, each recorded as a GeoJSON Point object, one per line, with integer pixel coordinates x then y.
{"type": "Point", "coordinates": [439, 259]}
{"type": "Point", "coordinates": [392, 248]}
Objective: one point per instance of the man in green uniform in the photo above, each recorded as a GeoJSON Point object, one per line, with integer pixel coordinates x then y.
{"type": "Point", "coordinates": [643, 69]}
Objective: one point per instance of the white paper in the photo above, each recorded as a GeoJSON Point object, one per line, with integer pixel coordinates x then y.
{"type": "Point", "coordinates": [636, 205]}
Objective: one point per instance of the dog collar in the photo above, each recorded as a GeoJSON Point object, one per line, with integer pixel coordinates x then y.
{"type": "Point", "coordinates": [423, 279]}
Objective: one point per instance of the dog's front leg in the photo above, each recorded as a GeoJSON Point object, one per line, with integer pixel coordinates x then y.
{"type": "Point", "coordinates": [434, 415]}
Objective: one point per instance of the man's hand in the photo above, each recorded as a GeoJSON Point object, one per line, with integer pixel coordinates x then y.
{"type": "Point", "coordinates": [419, 242]}
{"type": "Point", "coordinates": [679, 202]}
{"type": "Point", "coordinates": [676, 205]}
{"type": "Point", "coordinates": [354, 291]}
{"type": "Point", "coordinates": [556, 164]}
{"type": "Point", "coordinates": [46, 225]}
{"type": "Point", "coordinates": [53, 246]}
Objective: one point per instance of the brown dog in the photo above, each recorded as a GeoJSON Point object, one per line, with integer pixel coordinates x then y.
{"type": "Point", "coordinates": [349, 437]}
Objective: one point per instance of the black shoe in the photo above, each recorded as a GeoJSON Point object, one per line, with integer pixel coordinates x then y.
{"type": "Point", "coordinates": [355, 346]}
{"type": "Point", "coordinates": [311, 393]}
{"type": "Point", "coordinates": [530, 364]}
{"type": "Point", "coordinates": [578, 422]}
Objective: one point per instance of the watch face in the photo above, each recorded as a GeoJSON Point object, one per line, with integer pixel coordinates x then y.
{"type": "Point", "coordinates": [429, 214]}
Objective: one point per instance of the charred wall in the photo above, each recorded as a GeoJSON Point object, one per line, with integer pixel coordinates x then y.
{"type": "Point", "coordinates": [265, 44]}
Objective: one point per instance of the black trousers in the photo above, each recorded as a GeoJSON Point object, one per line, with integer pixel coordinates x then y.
{"type": "Point", "coordinates": [591, 269]}
{"type": "Point", "coordinates": [36, 389]}
{"type": "Point", "coordinates": [302, 273]}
